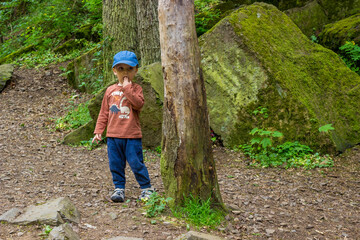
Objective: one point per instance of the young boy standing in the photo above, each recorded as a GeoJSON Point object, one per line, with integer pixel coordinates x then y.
{"type": "Point", "coordinates": [119, 112]}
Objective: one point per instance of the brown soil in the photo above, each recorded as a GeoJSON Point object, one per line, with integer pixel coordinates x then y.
{"type": "Point", "coordinates": [266, 203]}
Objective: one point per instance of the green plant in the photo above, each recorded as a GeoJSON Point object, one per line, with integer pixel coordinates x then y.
{"type": "Point", "coordinates": [155, 205]}
{"type": "Point", "coordinates": [46, 231]}
{"type": "Point", "coordinates": [326, 128]}
{"type": "Point", "coordinates": [261, 110]}
{"type": "Point", "coordinates": [263, 153]}
{"type": "Point", "coordinates": [76, 117]}
{"type": "Point", "coordinates": [314, 39]}
{"type": "Point", "coordinates": [205, 14]}
{"type": "Point", "coordinates": [158, 149]}
{"type": "Point", "coordinates": [88, 144]}
{"type": "Point", "coordinates": [350, 54]}
{"type": "Point", "coordinates": [199, 212]}
{"type": "Point", "coordinates": [264, 139]}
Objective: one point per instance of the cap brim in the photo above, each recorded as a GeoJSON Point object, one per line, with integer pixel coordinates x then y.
{"type": "Point", "coordinates": [133, 64]}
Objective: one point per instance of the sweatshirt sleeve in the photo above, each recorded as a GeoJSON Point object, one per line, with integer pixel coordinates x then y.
{"type": "Point", "coordinates": [134, 94]}
{"type": "Point", "coordinates": [102, 119]}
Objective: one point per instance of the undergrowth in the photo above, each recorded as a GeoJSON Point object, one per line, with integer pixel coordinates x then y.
{"type": "Point", "coordinates": [263, 151]}
{"type": "Point", "coordinates": [76, 117]}
{"type": "Point", "coordinates": [350, 54]}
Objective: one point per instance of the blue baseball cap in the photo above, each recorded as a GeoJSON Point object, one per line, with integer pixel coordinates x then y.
{"type": "Point", "coordinates": [126, 57]}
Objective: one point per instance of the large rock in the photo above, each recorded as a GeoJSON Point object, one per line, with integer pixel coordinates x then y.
{"type": "Point", "coordinates": [151, 81]}
{"type": "Point", "coordinates": [337, 10]}
{"type": "Point", "coordinates": [6, 71]}
{"type": "Point", "coordinates": [310, 18]}
{"type": "Point", "coordinates": [336, 34]}
{"type": "Point", "coordinates": [53, 212]}
{"type": "Point", "coordinates": [257, 57]}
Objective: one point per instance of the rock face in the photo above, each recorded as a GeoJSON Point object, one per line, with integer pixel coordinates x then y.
{"type": "Point", "coordinates": [312, 17]}
{"type": "Point", "coordinates": [258, 58]}
{"type": "Point", "coordinates": [53, 213]}
{"type": "Point", "coordinates": [309, 18]}
{"type": "Point", "coordinates": [6, 71]}
{"type": "Point", "coordinates": [151, 81]}
{"type": "Point", "coordinates": [336, 34]}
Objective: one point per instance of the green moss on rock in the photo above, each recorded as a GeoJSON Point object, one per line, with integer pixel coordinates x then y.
{"type": "Point", "coordinates": [6, 72]}
{"type": "Point", "coordinates": [309, 18]}
{"type": "Point", "coordinates": [337, 10]}
{"type": "Point", "coordinates": [336, 34]}
{"type": "Point", "coordinates": [303, 85]}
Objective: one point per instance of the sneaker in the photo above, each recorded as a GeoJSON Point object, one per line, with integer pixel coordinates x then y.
{"type": "Point", "coordinates": [146, 193]}
{"type": "Point", "coordinates": [118, 195]}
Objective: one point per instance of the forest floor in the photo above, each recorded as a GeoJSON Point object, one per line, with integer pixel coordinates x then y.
{"type": "Point", "coordinates": [269, 203]}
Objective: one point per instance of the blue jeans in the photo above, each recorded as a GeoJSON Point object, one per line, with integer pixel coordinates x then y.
{"type": "Point", "coordinates": [121, 150]}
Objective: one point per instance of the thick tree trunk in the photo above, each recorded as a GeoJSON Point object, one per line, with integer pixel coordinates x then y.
{"type": "Point", "coordinates": [120, 31]}
{"type": "Point", "coordinates": [187, 164]}
{"type": "Point", "coordinates": [148, 31]}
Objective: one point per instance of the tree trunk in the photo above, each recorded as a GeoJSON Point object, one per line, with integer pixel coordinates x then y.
{"type": "Point", "coordinates": [187, 164]}
{"type": "Point", "coordinates": [120, 32]}
{"type": "Point", "coordinates": [148, 31]}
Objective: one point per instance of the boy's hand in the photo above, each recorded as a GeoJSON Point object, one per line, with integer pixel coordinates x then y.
{"type": "Point", "coordinates": [96, 138]}
{"type": "Point", "coordinates": [126, 81]}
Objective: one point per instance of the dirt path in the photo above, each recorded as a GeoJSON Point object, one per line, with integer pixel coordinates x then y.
{"type": "Point", "coordinates": [268, 203]}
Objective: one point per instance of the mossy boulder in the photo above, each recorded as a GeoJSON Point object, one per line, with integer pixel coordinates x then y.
{"type": "Point", "coordinates": [337, 10]}
{"type": "Point", "coordinates": [208, 19]}
{"type": "Point", "coordinates": [336, 34]}
{"type": "Point", "coordinates": [310, 18]}
{"type": "Point", "coordinates": [6, 72]}
{"type": "Point", "coordinates": [85, 72]}
{"type": "Point", "coordinates": [258, 58]}
{"type": "Point", "coordinates": [151, 80]}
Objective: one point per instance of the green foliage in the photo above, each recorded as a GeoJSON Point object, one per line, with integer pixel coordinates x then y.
{"type": "Point", "coordinates": [204, 14]}
{"type": "Point", "coordinates": [326, 128]}
{"type": "Point", "coordinates": [76, 117]}
{"type": "Point", "coordinates": [89, 145]}
{"type": "Point", "coordinates": [314, 39]}
{"type": "Point", "coordinates": [261, 110]}
{"type": "Point", "coordinates": [289, 154]}
{"type": "Point", "coordinates": [350, 54]}
{"type": "Point", "coordinates": [45, 25]}
{"type": "Point", "coordinates": [155, 205]}
{"type": "Point", "coordinates": [158, 149]}
{"type": "Point", "coordinates": [199, 212]}
{"type": "Point", "coordinates": [46, 231]}
{"type": "Point", "coordinates": [265, 137]}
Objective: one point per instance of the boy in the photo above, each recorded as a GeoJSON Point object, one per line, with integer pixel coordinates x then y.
{"type": "Point", "coordinates": [119, 112]}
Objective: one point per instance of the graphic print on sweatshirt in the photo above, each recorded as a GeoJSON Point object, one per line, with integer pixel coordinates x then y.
{"type": "Point", "coordinates": [114, 108]}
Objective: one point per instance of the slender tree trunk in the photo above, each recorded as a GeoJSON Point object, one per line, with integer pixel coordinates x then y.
{"type": "Point", "coordinates": [120, 31]}
{"type": "Point", "coordinates": [187, 164]}
{"type": "Point", "coordinates": [148, 31]}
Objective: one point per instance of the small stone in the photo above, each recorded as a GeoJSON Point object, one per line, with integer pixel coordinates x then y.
{"type": "Point", "coordinates": [270, 231]}
{"type": "Point", "coordinates": [236, 212]}
{"type": "Point", "coordinates": [309, 226]}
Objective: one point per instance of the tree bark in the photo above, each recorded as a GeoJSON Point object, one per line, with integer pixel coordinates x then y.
{"type": "Point", "coordinates": [187, 163]}
{"type": "Point", "coordinates": [148, 31]}
{"type": "Point", "coordinates": [120, 32]}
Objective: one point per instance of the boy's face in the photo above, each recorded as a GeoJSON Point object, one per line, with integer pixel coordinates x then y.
{"type": "Point", "coordinates": [123, 70]}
